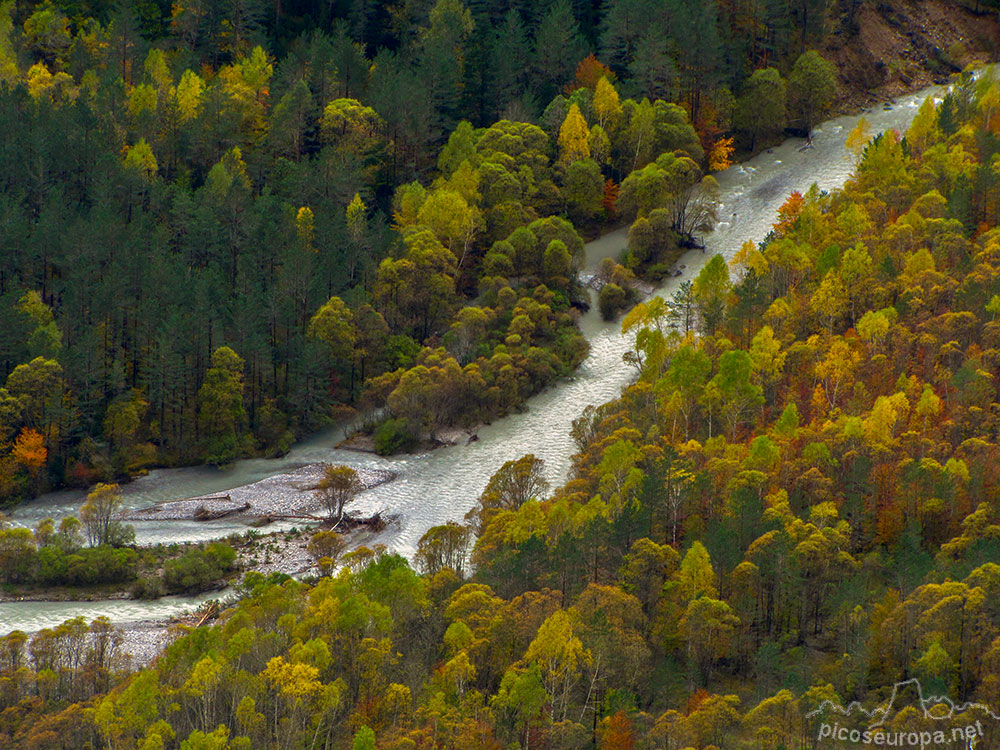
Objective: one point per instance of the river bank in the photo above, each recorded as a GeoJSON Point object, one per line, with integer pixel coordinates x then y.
{"type": "Point", "coordinates": [433, 488]}
{"type": "Point", "coordinates": [900, 47]}
{"type": "Point", "coordinates": [290, 494]}
{"type": "Point", "coordinates": [364, 442]}
{"type": "Point", "coordinates": [286, 496]}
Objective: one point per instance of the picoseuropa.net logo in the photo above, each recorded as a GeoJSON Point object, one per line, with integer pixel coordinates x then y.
{"type": "Point", "coordinates": [909, 720]}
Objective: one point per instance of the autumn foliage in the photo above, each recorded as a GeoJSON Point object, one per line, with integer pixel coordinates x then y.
{"type": "Point", "coordinates": [721, 155]}
{"type": "Point", "coordinates": [610, 196]}
{"type": "Point", "coordinates": [29, 450]}
{"type": "Point", "coordinates": [793, 499]}
{"type": "Point", "coordinates": [588, 72]}
{"type": "Point", "coordinates": [793, 502]}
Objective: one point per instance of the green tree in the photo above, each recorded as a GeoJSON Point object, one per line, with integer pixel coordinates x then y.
{"type": "Point", "coordinates": [812, 85]}
{"type": "Point", "coordinates": [523, 695]}
{"type": "Point", "coordinates": [512, 485]}
{"type": "Point", "coordinates": [222, 418]}
{"type": "Point", "coordinates": [558, 47]}
{"type": "Point", "coordinates": [364, 739]}
{"type": "Point", "coordinates": [760, 110]}
{"type": "Point", "coordinates": [38, 386]}
{"type": "Point", "coordinates": [507, 74]}
{"type": "Point", "coordinates": [337, 488]}
{"type": "Point", "coordinates": [443, 54]}
{"type": "Point", "coordinates": [708, 625]}
{"type": "Point", "coordinates": [18, 556]}
{"type": "Point", "coordinates": [334, 325]}
{"type": "Point", "coordinates": [444, 546]}
{"type": "Point", "coordinates": [738, 393]}
{"type": "Point", "coordinates": [583, 190]}
{"type": "Point", "coordinates": [710, 289]}
{"type": "Point", "coordinates": [98, 516]}
{"type": "Point", "coordinates": [696, 35]}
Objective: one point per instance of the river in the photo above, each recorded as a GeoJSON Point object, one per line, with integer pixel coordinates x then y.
{"type": "Point", "coordinates": [443, 485]}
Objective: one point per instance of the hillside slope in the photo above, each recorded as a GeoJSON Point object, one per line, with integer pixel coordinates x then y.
{"type": "Point", "coordinates": [897, 46]}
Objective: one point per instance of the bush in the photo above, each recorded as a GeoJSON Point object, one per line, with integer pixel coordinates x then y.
{"type": "Point", "coordinates": [657, 271]}
{"type": "Point", "coordinates": [611, 301]}
{"type": "Point", "coordinates": [102, 564]}
{"type": "Point", "coordinates": [198, 568]}
{"type": "Point", "coordinates": [120, 534]}
{"type": "Point", "coordinates": [222, 555]}
{"type": "Point", "coordinates": [51, 565]}
{"type": "Point", "coordinates": [394, 436]}
{"type": "Point", "coordinates": [147, 588]}
{"type": "Point", "coordinates": [328, 544]}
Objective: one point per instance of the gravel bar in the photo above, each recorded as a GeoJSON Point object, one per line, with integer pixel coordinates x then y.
{"type": "Point", "coordinates": [287, 494]}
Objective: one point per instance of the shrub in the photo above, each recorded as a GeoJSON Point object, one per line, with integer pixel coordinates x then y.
{"type": "Point", "coordinates": [611, 301]}
{"type": "Point", "coordinates": [394, 436]}
{"type": "Point", "coordinates": [147, 588]}
{"type": "Point", "coordinates": [198, 568]}
{"type": "Point", "coordinates": [102, 564]}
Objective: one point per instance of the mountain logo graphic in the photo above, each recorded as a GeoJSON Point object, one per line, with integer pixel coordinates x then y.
{"type": "Point", "coordinates": [904, 694]}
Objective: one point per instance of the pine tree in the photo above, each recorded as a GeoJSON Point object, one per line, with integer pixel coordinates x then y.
{"type": "Point", "coordinates": [696, 34]}
{"type": "Point", "coordinates": [653, 69]}
{"type": "Point", "coordinates": [508, 49]}
{"type": "Point", "coordinates": [558, 48]}
{"type": "Point", "coordinates": [442, 58]}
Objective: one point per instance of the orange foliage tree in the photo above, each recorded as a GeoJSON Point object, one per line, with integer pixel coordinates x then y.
{"type": "Point", "coordinates": [29, 450]}
{"type": "Point", "coordinates": [789, 212]}
{"type": "Point", "coordinates": [618, 734]}
{"type": "Point", "coordinates": [721, 155]}
{"type": "Point", "coordinates": [588, 73]}
{"type": "Point", "coordinates": [610, 196]}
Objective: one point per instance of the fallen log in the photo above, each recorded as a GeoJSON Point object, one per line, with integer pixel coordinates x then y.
{"type": "Point", "coordinates": [203, 513]}
{"type": "Point", "coordinates": [374, 522]}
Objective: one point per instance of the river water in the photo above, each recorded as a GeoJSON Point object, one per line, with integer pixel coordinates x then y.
{"type": "Point", "coordinates": [443, 485]}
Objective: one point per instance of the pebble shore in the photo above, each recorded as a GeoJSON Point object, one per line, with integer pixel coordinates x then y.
{"type": "Point", "coordinates": [286, 495]}
{"type": "Point", "coordinates": [289, 494]}
{"type": "Point", "coordinates": [144, 641]}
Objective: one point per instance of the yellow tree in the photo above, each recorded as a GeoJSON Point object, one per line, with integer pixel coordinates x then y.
{"type": "Point", "coordinates": [836, 369]}
{"type": "Point", "coordinates": [696, 577]}
{"type": "Point", "coordinates": [189, 95]}
{"type": "Point", "coordinates": [141, 159]}
{"type": "Point", "coordinates": [574, 137]}
{"type": "Point", "coordinates": [829, 302]}
{"type": "Point", "coordinates": [453, 221]}
{"type": "Point", "coordinates": [29, 450]}
{"type": "Point", "coordinates": [8, 57]}
{"type": "Point", "coordinates": [158, 69]}
{"type": "Point", "coordinates": [707, 626]}
{"type": "Point", "coordinates": [333, 324]}
{"type": "Point", "coordinates": [721, 155]}
{"type": "Point", "coordinates": [767, 361]}
{"type": "Point", "coordinates": [349, 124]}
{"type": "Point", "coordinates": [775, 721]}
{"type": "Point", "coordinates": [560, 655]}
{"type": "Point", "coordinates": [855, 272]}
{"type": "Point", "coordinates": [606, 104]}
{"type": "Point", "coordinates": [873, 328]}
{"type": "Point", "coordinates": [356, 218]}
{"type": "Point", "coordinates": [923, 130]}
{"type": "Point", "coordinates": [989, 105]}
{"type": "Point", "coordinates": [98, 514]}
{"type": "Point", "coordinates": [858, 138]}
{"type": "Point", "coordinates": [337, 488]}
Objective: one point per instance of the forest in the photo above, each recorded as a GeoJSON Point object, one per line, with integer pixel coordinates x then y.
{"type": "Point", "coordinates": [795, 501]}
{"type": "Point", "coordinates": [226, 225]}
